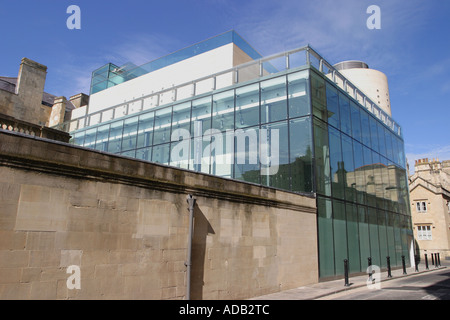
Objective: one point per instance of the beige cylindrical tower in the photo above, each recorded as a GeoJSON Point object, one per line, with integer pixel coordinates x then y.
{"type": "Point", "coordinates": [372, 82]}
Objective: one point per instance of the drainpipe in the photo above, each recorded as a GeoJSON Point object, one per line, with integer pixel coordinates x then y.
{"type": "Point", "coordinates": [191, 202]}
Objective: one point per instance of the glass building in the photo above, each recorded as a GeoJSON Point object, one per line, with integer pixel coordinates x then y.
{"type": "Point", "coordinates": [330, 140]}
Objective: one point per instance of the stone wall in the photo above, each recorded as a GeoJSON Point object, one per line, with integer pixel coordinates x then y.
{"type": "Point", "coordinates": [125, 223]}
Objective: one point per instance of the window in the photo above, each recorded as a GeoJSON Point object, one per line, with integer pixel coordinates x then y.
{"type": "Point", "coordinates": [421, 206]}
{"type": "Point", "coordinates": [424, 232]}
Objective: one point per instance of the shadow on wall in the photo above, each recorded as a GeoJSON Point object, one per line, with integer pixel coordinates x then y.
{"type": "Point", "coordinates": [202, 228]}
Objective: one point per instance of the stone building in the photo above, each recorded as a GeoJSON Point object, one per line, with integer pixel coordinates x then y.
{"type": "Point", "coordinates": [25, 106]}
{"type": "Point", "coordinates": [429, 188]}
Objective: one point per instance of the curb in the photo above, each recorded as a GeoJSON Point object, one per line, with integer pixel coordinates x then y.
{"type": "Point", "coordinates": [351, 287]}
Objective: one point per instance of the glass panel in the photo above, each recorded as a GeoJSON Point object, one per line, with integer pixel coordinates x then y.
{"type": "Point", "coordinates": [78, 138]}
{"type": "Point", "coordinates": [246, 155]}
{"type": "Point", "coordinates": [340, 235]}
{"type": "Point", "coordinates": [364, 243]}
{"type": "Point", "coordinates": [222, 154]}
{"type": "Point", "coordinates": [161, 153]}
{"type": "Point", "coordinates": [298, 94]}
{"type": "Point", "coordinates": [201, 154]}
{"type": "Point", "coordinates": [273, 100]}
{"type": "Point", "coordinates": [333, 106]}
{"type": "Point", "coordinates": [145, 130]}
{"type": "Point", "coordinates": [130, 133]}
{"type": "Point", "coordinates": [115, 137]}
{"type": "Point", "coordinates": [322, 158]}
{"type": "Point", "coordinates": [101, 143]}
{"type": "Point", "coordinates": [247, 106]}
{"type": "Point", "coordinates": [348, 168]}
{"type": "Point", "coordinates": [356, 121]}
{"type": "Point", "coordinates": [359, 176]}
{"type": "Point", "coordinates": [381, 140]}
{"type": "Point", "coordinates": [144, 154]}
{"type": "Point", "coordinates": [389, 149]}
{"type": "Point", "coordinates": [383, 238]}
{"type": "Point", "coordinates": [391, 236]}
{"type": "Point", "coordinates": [365, 124]}
{"type": "Point", "coordinates": [318, 97]}
{"type": "Point", "coordinates": [353, 238]}
{"type": "Point", "coordinates": [326, 245]}
{"type": "Point", "coordinates": [301, 154]}
{"type": "Point", "coordinates": [344, 107]}
{"type": "Point", "coordinates": [274, 156]}
{"type": "Point", "coordinates": [163, 120]}
{"type": "Point", "coordinates": [336, 164]}
{"type": "Point", "coordinates": [374, 134]}
{"type": "Point", "coordinates": [374, 240]}
{"type": "Point", "coordinates": [181, 118]}
{"type": "Point", "coordinates": [89, 139]}
{"type": "Point", "coordinates": [223, 111]}
{"type": "Point", "coordinates": [201, 113]}
{"type": "Point", "coordinates": [369, 176]}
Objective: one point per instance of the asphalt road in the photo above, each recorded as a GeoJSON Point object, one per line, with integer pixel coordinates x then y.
{"type": "Point", "coordinates": [426, 286]}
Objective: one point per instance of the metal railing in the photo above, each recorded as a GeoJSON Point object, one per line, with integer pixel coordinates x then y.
{"type": "Point", "coordinates": [241, 73]}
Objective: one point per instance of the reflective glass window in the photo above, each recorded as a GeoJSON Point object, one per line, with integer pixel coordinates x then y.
{"type": "Point", "coordinates": [356, 121]}
{"type": "Point", "coordinates": [364, 242]}
{"type": "Point", "coordinates": [344, 108]}
{"type": "Point", "coordinates": [353, 237]}
{"type": "Point", "coordinates": [274, 155]}
{"type": "Point", "coordinates": [273, 100]}
{"type": "Point", "coordinates": [246, 155]}
{"type": "Point", "coordinates": [340, 235]}
{"type": "Point", "coordinates": [144, 154]}
{"type": "Point", "coordinates": [89, 139]}
{"type": "Point", "coordinates": [201, 116]}
{"type": "Point", "coordinates": [381, 139]}
{"type": "Point", "coordinates": [298, 94]}
{"type": "Point", "coordinates": [247, 106]}
{"type": "Point", "coordinates": [223, 111]}
{"type": "Point", "coordinates": [326, 242]}
{"type": "Point", "coordinates": [365, 129]}
{"type": "Point", "coordinates": [374, 134]}
{"type": "Point", "coordinates": [333, 106]}
{"type": "Point", "coordinates": [130, 128]}
{"type": "Point", "coordinates": [161, 153]}
{"type": "Point", "coordinates": [322, 158]}
{"type": "Point", "coordinates": [383, 237]}
{"type": "Point", "coordinates": [301, 154]}
{"type": "Point", "coordinates": [318, 97]}
{"type": "Point", "coordinates": [101, 142]}
{"type": "Point", "coordinates": [348, 168]}
{"type": "Point", "coordinates": [374, 239]}
{"type": "Point", "coordinates": [163, 121]}
{"type": "Point", "coordinates": [115, 137]}
{"type": "Point", "coordinates": [181, 118]}
{"type": "Point", "coordinates": [336, 163]}
{"type": "Point", "coordinates": [389, 150]}
{"type": "Point", "coordinates": [145, 130]}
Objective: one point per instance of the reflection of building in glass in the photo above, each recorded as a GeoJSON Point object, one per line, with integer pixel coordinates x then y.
{"type": "Point", "coordinates": [334, 142]}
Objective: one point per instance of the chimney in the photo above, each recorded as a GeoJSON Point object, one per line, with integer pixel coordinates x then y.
{"type": "Point", "coordinates": [30, 88]}
{"type": "Point", "coordinates": [79, 100]}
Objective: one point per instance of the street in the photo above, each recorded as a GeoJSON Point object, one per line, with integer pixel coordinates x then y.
{"type": "Point", "coordinates": [425, 286]}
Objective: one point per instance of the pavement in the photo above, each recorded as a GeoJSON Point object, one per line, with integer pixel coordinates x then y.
{"type": "Point", "coordinates": [323, 289]}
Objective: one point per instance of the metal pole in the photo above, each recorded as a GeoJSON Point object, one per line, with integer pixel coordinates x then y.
{"type": "Point", "coordinates": [435, 260]}
{"type": "Point", "coordinates": [416, 258]}
{"type": "Point", "coordinates": [426, 261]}
{"type": "Point", "coordinates": [191, 202]}
{"type": "Point", "coordinates": [439, 258]}
{"type": "Point", "coordinates": [346, 272]}
{"type": "Point", "coordinates": [389, 266]}
{"type": "Point", "coordinates": [432, 259]}
{"type": "Point", "coordinates": [403, 264]}
{"type": "Point", "coordinates": [369, 263]}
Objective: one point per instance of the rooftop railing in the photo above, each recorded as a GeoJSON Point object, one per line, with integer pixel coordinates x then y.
{"type": "Point", "coordinates": [304, 56]}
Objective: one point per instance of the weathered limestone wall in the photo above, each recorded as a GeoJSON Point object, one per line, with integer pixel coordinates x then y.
{"type": "Point", "coordinates": [124, 223]}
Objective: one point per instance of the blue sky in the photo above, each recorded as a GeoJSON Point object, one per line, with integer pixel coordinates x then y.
{"type": "Point", "coordinates": [412, 47]}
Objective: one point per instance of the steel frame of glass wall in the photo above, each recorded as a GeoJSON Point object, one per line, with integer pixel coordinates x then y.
{"type": "Point", "coordinates": [329, 144]}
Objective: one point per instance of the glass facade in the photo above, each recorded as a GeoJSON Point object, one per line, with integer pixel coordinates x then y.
{"type": "Point", "coordinates": [297, 131]}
